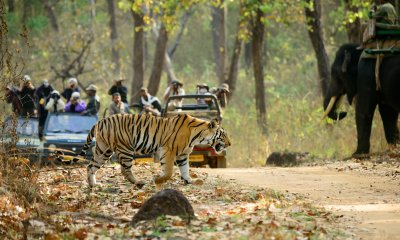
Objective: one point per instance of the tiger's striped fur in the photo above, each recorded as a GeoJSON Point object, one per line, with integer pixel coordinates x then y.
{"type": "Point", "coordinates": [173, 139]}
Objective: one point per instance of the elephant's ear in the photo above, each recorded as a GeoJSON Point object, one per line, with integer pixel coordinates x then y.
{"type": "Point", "coordinates": [346, 61]}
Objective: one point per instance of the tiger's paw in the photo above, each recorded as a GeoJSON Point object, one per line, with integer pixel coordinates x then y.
{"type": "Point", "coordinates": [140, 184]}
{"type": "Point", "coordinates": [92, 180]}
{"type": "Point", "coordinates": [187, 181]}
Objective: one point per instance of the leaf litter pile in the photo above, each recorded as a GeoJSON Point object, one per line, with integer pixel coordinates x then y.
{"type": "Point", "coordinates": [224, 210]}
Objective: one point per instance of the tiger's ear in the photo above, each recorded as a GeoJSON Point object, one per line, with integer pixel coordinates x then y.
{"type": "Point", "coordinates": [214, 123]}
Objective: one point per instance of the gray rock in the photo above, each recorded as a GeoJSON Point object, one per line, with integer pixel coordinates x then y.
{"type": "Point", "coordinates": [165, 202]}
{"type": "Point", "coordinates": [286, 159]}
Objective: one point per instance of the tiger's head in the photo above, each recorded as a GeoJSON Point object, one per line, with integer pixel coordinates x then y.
{"type": "Point", "coordinates": [216, 136]}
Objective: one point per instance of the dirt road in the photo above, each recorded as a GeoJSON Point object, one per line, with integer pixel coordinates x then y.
{"type": "Point", "coordinates": [368, 197]}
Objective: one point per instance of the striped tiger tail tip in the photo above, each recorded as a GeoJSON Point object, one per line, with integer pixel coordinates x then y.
{"type": "Point", "coordinates": [59, 155]}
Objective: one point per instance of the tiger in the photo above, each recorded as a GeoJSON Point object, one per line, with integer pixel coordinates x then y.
{"type": "Point", "coordinates": [171, 138]}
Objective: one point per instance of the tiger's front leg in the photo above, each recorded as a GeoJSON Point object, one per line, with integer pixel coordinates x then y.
{"type": "Point", "coordinates": [183, 163]}
{"type": "Point", "coordinates": [167, 160]}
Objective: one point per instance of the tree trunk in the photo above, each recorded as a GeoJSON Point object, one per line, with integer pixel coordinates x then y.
{"type": "Point", "coordinates": [25, 10]}
{"type": "Point", "coordinates": [247, 55]}
{"type": "Point", "coordinates": [113, 36]}
{"type": "Point", "coordinates": [353, 29]}
{"type": "Point", "coordinates": [138, 57]}
{"type": "Point", "coordinates": [158, 63]}
{"type": "Point", "coordinates": [233, 70]}
{"type": "Point", "coordinates": [316, 36]}
{"type": "Point", "coordinates": [51, 15]}
{"type": "Point", "coordinates": [183, 23]}
{"type": "Point", "coordinates": [11, 5]}
{"type": "Point", "coordinates": [219, 40]}
{"type": "Point", "coordinates": [92, 9]}
{"type": "Point", "coordinates": [257, 53]}
{"type": "Point", "coordinates": [167, 60]}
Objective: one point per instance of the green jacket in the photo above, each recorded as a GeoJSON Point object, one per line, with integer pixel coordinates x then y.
{"type": "Point", "coordinates": [385, 13]}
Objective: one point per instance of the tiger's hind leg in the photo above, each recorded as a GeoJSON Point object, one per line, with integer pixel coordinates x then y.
{"type": "Point", "coordinates": [167, 160]}
{"type": "Point", "coordinates": [183, 163]}
{"type": "Point", "coordinates": [98, 160]}
{"type": "Point", "coordinates": [126, 165]}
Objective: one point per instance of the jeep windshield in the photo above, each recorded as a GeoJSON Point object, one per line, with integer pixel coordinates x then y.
{"type": "Point", "coordinates": [201, 106]}
{"type": "Point", "coordinates": [69, 123]}
{"type": "Point", "coordinates": [23, 126]}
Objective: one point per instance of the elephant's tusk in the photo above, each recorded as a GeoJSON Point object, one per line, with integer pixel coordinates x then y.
{"type": "Point", "coordinates": [329, 107]}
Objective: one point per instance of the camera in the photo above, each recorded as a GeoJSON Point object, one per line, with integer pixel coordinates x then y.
{"type": "Point", "coordinates": [55, 96]}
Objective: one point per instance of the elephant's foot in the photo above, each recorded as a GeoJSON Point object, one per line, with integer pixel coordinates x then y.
{"type": "Point", "coordinates": [360, 155]}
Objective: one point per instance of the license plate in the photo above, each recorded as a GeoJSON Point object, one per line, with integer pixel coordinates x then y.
{"type": "Point", "coordinates": [196, 158]}
{"type": "Point", "coordinates": [70, 158]}
{"type": "Point", "coordinates": [143, 160]}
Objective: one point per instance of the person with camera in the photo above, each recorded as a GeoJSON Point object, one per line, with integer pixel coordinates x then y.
{"type": "Point", "coordinates": [75, 105]}
{"type": "Point", "coordinates": [42, 94]}
{"type": "Point", "coordinates": [54, 102]}
{"type": "Point", "coordinates": [149, 104]}
{"type": "Point", "coordinates": [222, 94]}
{"type": "Point", "coordinates": [202, 89]}
{"type": "Point", "coordinates": [117, 106]}
{"type": "Point", "coordinates": [174, 89]}
{"type": "Point", "coordinates": [27, 97]}
{"type": "Point", "coordinates": [119, 88]}
{"type": "Point", "coordinates": [73, 87]}
{"type": "Point", "coordinates": [93, 105]}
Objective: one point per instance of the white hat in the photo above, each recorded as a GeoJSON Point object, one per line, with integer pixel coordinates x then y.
{"type": "Point", "coordinates": [72, 81]}
{"type": "Point", "coordinates": [91, 87]}
{"type": "Point", "coordinates": [75, 95]}
{"type": "Point", "coordinates": [26, 78]}
{"type": "Point", "coordinates": [55, 92]}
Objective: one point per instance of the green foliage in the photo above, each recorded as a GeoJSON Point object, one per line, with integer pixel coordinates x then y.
{"type": "Point", "coordinates": [12, 23]}
{"type": "Point", "coordinates": [358, 10]}
{"type": "Point", "coordinates": [37, 23]}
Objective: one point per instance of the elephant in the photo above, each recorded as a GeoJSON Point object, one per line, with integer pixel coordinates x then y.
{"type": "Point", "coordinates": [355, 77]}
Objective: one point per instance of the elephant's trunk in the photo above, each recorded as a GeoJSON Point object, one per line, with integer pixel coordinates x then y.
{"type": "Point", "coordinates": [330, 108]}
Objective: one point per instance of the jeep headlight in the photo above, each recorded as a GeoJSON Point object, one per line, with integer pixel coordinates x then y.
{"type": "Point", "coordinates": [52, 147]}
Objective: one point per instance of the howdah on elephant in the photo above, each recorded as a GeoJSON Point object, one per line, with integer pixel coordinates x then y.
{"type": "Point", "coordinates": [355, 78]}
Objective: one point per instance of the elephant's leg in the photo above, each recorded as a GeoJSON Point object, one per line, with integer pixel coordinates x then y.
{"type": "Point", "coordinates": [126, 165]}
{"type": "Point", "coordinates": [389, 118]}
{"type": "Point", "coordinates": [364, 123]}
{"type": "Point", "coordinates": [183, 163]}
{"type": "Point", "coordinates": [100, 157]}
{"type": "Point", "coordinates": [366, 104]}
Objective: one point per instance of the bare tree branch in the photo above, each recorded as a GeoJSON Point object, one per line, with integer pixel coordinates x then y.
{"type": "Point", "coordinates": [183, 23]}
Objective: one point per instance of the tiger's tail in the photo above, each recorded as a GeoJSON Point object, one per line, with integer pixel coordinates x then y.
{"type": "Point", "coordinates": [89, 140]}
{"type": "Point", "coordinates": [60, 155]}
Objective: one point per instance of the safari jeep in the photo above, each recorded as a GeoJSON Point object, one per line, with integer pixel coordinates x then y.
{"type": "Point", "coordinates": [66, 132]}
{"type": "Point", "coordinates": [205, 107]}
